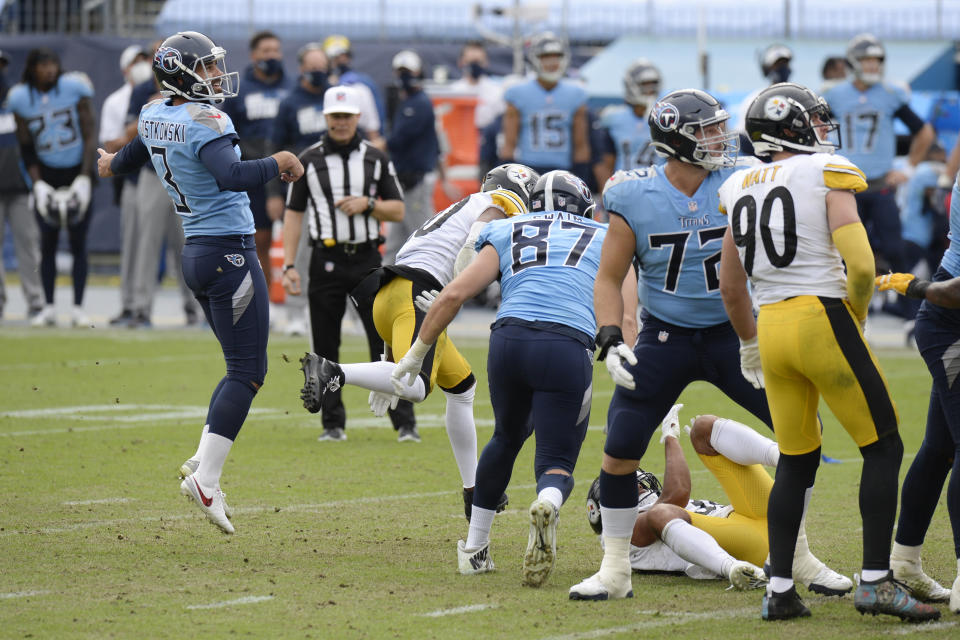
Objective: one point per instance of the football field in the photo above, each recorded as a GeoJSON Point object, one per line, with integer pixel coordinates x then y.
{"type": "Point", "coordinates": [354, 539]}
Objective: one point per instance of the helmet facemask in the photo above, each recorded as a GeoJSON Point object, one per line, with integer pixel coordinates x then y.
{"type": "Point", "coordinates": [713, 150]}
{"type": "Point", "coordinates": [213, 89]}
{"type": "Point", "coordinates": [813, 131]}
{"type": "Point", "coordinates": [641, 86]}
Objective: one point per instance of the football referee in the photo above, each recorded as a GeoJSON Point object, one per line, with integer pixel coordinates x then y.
{"type": "Point", "coordinates": [349, 188]}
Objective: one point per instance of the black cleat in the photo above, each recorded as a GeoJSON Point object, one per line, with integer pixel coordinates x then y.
{"type": "Point", "coordinates": [468, 502]}
{"type": "Point", "coordinates": [783, 606]}
{"type": "Point", "coordinates": [319, 376]}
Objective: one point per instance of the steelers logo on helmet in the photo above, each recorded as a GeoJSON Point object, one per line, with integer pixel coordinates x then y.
{"type": "Point", "coordinates": [666, 116]}
{"type": "Point", "coordinates": [518, 173]}
{"type": "Point", "coordinates": [776, 108]}
{"type": "Point", "coordinates": [168, 59]}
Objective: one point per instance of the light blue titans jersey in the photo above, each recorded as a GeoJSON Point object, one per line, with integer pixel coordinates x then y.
{"type": "Point", "coordinates": [951, 258]}
{"type": "Point", "coordinates": [548, 263]}
{"type": "Point", "coordinates": [546, 122]}
{"type": "Point", "coordinates": [866, 124]}
{"type": "Point", "coordinates": [52, 118]}
{"type": "Point", "coordinates": [678, 243]}
{"type": "Point", "coordinates": [631, 138]}
{"type": "Point", "coordinates": [917, 224]}
{"type": "Point", "coordinates": [174, 137]}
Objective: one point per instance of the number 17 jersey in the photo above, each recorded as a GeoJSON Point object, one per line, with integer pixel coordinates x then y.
{"type": "Point", "coordinates": [778, 215]}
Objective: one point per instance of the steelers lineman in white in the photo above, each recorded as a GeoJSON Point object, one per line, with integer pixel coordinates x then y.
{"type": "Point", "coordinates": [427, 262]}
{"type": "Point", "coordinates": [793, 224]}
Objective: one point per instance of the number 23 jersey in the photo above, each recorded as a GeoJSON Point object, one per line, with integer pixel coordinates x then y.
{"type": "Point", "coordinates": [778, 216]}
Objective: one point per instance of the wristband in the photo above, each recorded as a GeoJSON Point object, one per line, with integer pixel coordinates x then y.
{"type": "Point", "coordinates": [371, 204]}
{"type": "Point", "coordinates": [917, 289]}
{"type": "Point", "coordinates": [287, 267]}
{"type": "Point", "coordinates": [608, 336]}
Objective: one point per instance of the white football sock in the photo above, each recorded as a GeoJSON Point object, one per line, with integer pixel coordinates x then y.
{"type": "Point", "coordinates": [213, 453]}
{"type": "Point", "coordinates": [552, 495]}
{"type": "Point", "coordinates": [779, 585]}
{"type": "Point", "coordinates": [696, 546]}
{"type": "Point", "coordinates": [481, 520]}
{"type": "Point", "coordinates": [743, 445]}
{"type": "Point", "coordinates": [206, 428]}
{"type": "Point", "coordinates": [872, 575]}
{"type": "Point", "coordinates": [904, 552]}
{"type": "Point", "coordinates": [618, 523]}
{"type": "Point", "coordinates": [375, 376]}
{"type": "Point", "coordinates": [462, 433]}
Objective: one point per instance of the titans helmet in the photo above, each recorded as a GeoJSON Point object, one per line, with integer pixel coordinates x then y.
{"type": "Point", "coordinates": [181, 64]}
{"type": "Point", "coordinates": [545, 44]}
{"type": "Point", "coordinates": [689, 125]}
{"type": "Point", "coordinates": [648, 488]}
{"type": "Point", "coordinates": [562, 191]}
{"type": "Point", "coordinates": [790, 117]}
{"type": "Point", "coordinates": [865, 45]}
{"type": "Point", "coordinates": [775, 63]}
{"type": "Point", "coordinates": [641, 83]}
{"type": "Point", "coordinates": [518, 178]}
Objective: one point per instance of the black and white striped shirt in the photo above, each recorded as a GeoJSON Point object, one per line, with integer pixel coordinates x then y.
{"type": "Point", "coordinates": [332, 172]}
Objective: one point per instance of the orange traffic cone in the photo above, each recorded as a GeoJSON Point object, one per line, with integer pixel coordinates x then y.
{"type": "Point", "coordinates": [277, 294]}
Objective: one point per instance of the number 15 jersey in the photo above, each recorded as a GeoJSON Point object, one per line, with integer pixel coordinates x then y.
{"type": "Point", "coordinates": [778, 215]}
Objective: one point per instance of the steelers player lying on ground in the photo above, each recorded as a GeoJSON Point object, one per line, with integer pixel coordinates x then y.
{"type": "Point", "coordinates": [403, 292]}
{"type": "Point", "coordinates": [701, 538]}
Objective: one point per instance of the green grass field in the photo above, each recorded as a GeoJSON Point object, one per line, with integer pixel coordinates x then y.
{"type": "Point", "coordinates": [337, 540]}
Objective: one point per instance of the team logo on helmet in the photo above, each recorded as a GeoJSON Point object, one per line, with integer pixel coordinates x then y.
{"type": "Point", "coordinates": [776, 108]}
{"type": "Point", "coordinates": [666, 116]}
{"type": "Point", "coordinates": [582, 188]}
{"type": "Point", "coordinates": [235, 259]}
{"type": "Point", "coordinates": [518, 174]}
{"type": "Point", "coordinates": [168, 59]}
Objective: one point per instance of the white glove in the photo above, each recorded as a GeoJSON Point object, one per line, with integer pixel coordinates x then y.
{"type": "Point", "coordinates": [42, 195]}
{"type": "Point", "coordinates": [615, 366]}
{"type": "Point", "coordinates": [750, 362]}
{"type": "Point", "coordinates": [671, 424]}
{"type": "Point", "coordinates": [464, 258]}
{"type": "Point", "coordinates": [424, 299]}
{"type": "Point", "coordinates": [80, 189]}
{"type": "Point", "coordinates": [380, 402]}
{"type": "Point", "coordinates": [409, 365]}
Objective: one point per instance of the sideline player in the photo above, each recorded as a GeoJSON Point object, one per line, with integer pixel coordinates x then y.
{"type": "Point", "coordinates": [539, 364]}
{"type": "Point", "coordinates": [427, 262]}
{"type": "Point", "coordinates": [793, 227]}
{"type": "Point", "coordinates": [668, 219]}
{"type": "Point", "coordinates": [193, 147]}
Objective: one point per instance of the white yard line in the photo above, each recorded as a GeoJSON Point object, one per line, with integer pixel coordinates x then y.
{"type": "Point", "coordinates": [662, 619]}
{"type": "Point", "coordinates": [81, 503]}
{"type": "Point", "coordinates": [23, 594]}
{"type": "Point", "coordinates": [470, 608]}
{"type": "Point", "coordinates": [194, 513]}
{"type": "Point", "coordinates": [918, 628]}
{"type": "Point", "coordinates": [230, 603]}
{"type": "Point", "coordinates": [99, 362]}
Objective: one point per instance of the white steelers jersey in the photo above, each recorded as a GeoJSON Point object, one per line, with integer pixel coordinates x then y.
{"type": "Point", "coordinates": [778, 215]}
{"type": "Point", "coordinates": [435, 245]}
{"type": "Point", "coordinates": [659, 557]}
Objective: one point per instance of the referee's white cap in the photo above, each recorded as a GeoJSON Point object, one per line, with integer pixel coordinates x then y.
{"type": "Point", "coordinates": [341, 99]}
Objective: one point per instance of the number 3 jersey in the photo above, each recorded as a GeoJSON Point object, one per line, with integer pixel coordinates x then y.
{"type": "Point", "coordinates": [435, 245]}
{"type": "Point", "coordinates": [548, 264]}
{"type": "Point", "coordinates": [678, 243]}
{"type": "Point", "coordinates": [778, 216]}
{"type": "Point", "coordinates": [174, 135]}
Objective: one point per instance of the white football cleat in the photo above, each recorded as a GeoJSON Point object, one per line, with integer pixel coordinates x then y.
{"type": "Point", "coordinates": [473, 562]}
{"type": "Point", "coordinates": [190, 467]}
{"type": "Point", "coordinates": [819, 578]}
{"type": "Point", "coordinates": [541, 552]}
{"type": "Point", "coordinates": [79, 319]}
{"type": "Point", "coordinates": [46, 318]}
{"type": "Point", "coordinates": [921, 586]}
{"type": "Point", "coordinates": [745, 576]}
{"type": "Point", "coordinates": [602, 588]}
{"type": "Point", "coordinates": [210, 502]}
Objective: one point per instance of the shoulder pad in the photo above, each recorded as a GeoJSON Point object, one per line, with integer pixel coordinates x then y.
{"type": "Point", "coordinates": [507, 201]}
{"type": "Point", "coordinates": [80, 77]}
{"type": "Point", "coordinates": [643, 173]}
{"type": "Point", "coordinates": [840, 173]}
{"type": "Point", "coordinates": [208, 116]}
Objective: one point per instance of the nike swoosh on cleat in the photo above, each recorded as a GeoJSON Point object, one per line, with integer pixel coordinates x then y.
{"type": "Point", "coordinates": [206, 501]}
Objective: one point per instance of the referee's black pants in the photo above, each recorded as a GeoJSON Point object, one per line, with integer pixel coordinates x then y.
{"type": "Point", "coordinates": [334, 273]}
